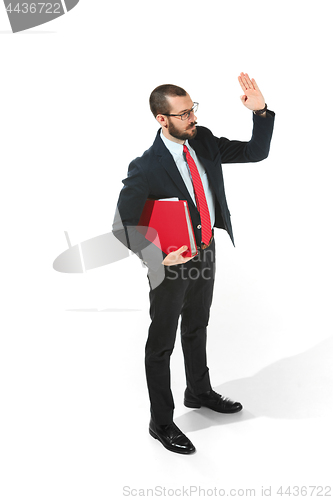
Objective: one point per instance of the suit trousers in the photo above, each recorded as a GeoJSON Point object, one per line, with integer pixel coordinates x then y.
{"type": "Point", "coordinates": [186, 292]}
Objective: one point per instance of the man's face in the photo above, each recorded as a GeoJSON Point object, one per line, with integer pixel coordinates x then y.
{"type": "Point", "coordinates": [179, 129]}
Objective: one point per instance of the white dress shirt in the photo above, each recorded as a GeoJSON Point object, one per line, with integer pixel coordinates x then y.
{"type": "Point", "coordinates": [177, 153]}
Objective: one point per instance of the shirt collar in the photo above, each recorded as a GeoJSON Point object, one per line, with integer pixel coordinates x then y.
{"type": "Point", "coordinates": [172, 146]}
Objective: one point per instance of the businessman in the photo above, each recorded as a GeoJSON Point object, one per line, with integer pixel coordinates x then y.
{"type": "Point", "coordinates": [185, 162]}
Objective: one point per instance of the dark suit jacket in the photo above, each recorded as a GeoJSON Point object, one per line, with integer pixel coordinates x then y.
{"type": "Point", "coordinates": [155, 175]}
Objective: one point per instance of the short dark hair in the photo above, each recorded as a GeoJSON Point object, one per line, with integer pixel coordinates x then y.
{"type": "Point", "coordinates": [158, 100]}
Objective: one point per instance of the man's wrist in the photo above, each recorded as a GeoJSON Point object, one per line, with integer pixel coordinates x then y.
{"type": "Point", "coordinates": [260, 112]}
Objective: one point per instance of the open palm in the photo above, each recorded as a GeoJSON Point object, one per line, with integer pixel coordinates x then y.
{"type": "Point", "coordinates": [252, 98]}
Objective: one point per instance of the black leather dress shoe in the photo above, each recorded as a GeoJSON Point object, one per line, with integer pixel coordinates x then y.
{"type": "Point", "coordinates": [171, 437]}
{"type": "Point", "coordinates": [211, 400]}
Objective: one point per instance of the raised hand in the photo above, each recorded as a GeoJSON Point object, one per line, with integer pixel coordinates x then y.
{"type": "Point", "coordinates": [252, 98]}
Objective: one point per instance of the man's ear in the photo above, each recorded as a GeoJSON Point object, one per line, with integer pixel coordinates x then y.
{"type": "Point", "coordinates": [162, 120]}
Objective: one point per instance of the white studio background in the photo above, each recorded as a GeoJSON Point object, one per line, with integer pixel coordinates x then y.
{"type": "Point", "coordinates": [74, 113]}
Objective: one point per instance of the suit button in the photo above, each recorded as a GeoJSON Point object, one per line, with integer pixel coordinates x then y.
{"type": "Point", "coordinates": [198, 226]}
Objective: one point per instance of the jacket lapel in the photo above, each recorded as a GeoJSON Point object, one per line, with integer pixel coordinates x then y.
{"type": "Point", "coordinates": [167, 162]}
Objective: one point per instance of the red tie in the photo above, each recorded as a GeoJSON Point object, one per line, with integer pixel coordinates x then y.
{"type": "Point", "coordinates": [206, 227]}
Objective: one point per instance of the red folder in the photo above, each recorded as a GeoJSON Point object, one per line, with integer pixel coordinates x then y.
{"type": "Point", "coordinates": [168, 225]}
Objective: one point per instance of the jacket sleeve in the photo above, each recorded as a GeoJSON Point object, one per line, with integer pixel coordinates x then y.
{"type": "Point", "coordinates": [256, 149]}
{"type": "Point", "coordinates": [131, 201]}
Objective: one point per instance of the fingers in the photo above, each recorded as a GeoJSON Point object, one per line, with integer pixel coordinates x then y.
{"type": "Point", "coordinates": [179, 256]}
{"type": "Point", "coordinates": [255, 85]}
{"type": "Point", "coordinates": [181, 250]}
{"type": "Point", "coordinates": [175, 257]}
{"type": "Point", "coordinates": [248, 81]}
{"type": "Point", "coordinates": [243, 98]}
{"type": "Point", "coordinates": [241, 83]}
{"type": "Point", "coordinates": [245, 82]}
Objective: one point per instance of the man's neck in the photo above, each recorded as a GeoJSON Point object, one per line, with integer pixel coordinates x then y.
{"type": "Point", "coordinates": [171, 138]}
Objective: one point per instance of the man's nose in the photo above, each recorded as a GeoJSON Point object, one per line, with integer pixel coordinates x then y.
{"type": "Point", "coordinates": [192, 114]}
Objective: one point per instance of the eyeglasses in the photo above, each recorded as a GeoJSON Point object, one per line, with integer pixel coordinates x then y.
{"type": "Point", "coordinates": [187, 114]}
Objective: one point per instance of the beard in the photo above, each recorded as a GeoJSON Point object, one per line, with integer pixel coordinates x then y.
{"type": "Point", "coordinates": [182, 134]}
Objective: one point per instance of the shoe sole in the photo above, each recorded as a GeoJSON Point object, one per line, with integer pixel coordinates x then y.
{"type": "Point", "coordinates": [170, 448]}
{"type": "Point", "coordinates": [191, 404]}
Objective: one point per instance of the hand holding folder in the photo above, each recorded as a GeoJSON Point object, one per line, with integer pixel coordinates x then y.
{"type": "Point", "coordinates": [167, 224]}
{"type": "Point", "coordinates": [177, 257]}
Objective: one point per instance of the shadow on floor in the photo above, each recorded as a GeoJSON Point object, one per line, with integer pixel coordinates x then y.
{"type": "Point", "coordinates": [292, 388]}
